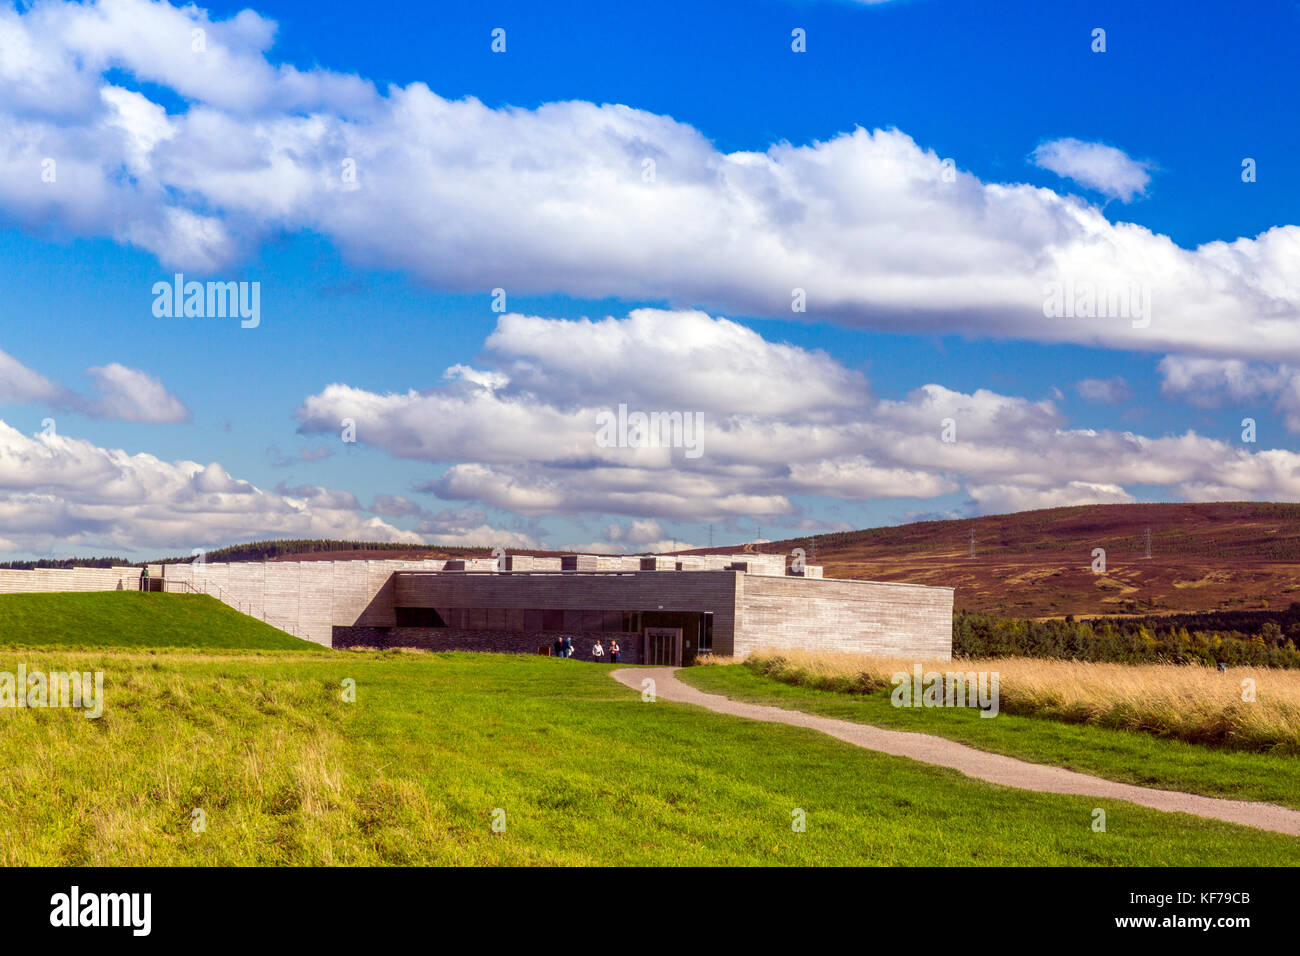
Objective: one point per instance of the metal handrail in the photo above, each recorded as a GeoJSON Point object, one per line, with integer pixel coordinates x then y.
{"type": "Point", "coordinates": [236, 604]}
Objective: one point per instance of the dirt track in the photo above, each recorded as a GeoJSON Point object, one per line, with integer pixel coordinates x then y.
{"type": "Point", "coordinates": [995, 768]}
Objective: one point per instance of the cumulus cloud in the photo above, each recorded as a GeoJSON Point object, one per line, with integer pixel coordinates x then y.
{"type": "Point", "coordinates": [66, 492]}
{"type": "Point", "coordinates": [122, 394]}
{"type": "Point", "coordinates": [469, 197]}
{"type": "Point", "coordinates": [131, 395]}
{"type": "Point", "coordinates": [571, 361]}
{"type": "Point", "coordinates": [1112, 390]}
{"type": "Point", "coordinates": [469, 527]}
{"type": "Point", "coordinates": [21, 385]}
{"type": "Point", "coordinates": [1212, 383]}
{"type": "Point", "coordinates": [1104, 168]}
{"type": "Point", "coordinates": [1003, 499]}
{"type": "Point", "coordinates": [394, 506]}
{"type": "Point", "coordinates": [529, 447]}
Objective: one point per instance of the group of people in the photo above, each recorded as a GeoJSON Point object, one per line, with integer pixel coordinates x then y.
{"type": "Point", "coordinates": [563, 647]}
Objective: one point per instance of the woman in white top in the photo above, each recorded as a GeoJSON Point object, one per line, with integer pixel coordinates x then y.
{"type": "Point", "coordinates": [598, 651]}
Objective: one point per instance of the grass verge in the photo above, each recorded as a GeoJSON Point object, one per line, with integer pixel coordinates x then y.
{"type": "Point", "coordinates": [582, 769]}
{"type": "Point", "coordinates": [1125, 756]}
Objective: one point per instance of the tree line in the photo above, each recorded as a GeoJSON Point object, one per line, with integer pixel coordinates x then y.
{"type": "Point", "coordinates": [1257, 638]}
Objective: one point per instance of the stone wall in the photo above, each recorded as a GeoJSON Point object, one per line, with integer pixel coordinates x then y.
{"type": "Point", "coordinates": [495, 642]}
{"type": "Point", "coordinates": [52, 580]}
{"type": "Point", "coordinates": [315, 599]}
{"type": "Point", "coordinates": [304, 598]}
{"type": "Point", "coordinates": [865, 617]}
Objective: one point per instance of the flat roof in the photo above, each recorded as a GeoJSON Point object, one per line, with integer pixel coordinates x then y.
{"type": "Point", "coordinates": [665, 573]}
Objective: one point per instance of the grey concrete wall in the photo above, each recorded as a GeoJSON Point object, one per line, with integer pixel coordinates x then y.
{"type": "Point", "coordinates": [304, 598]}
{"type": "Point", "coordinates": [53, 580]}
{"type": "Point", "coordinates": [865, 617]}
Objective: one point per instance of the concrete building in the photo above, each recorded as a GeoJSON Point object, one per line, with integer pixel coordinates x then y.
{"type": "Point", "coordinates": [660, 609]}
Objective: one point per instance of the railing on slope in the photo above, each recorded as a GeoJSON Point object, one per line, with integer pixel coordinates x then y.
{"type": "Point", "coordinates": [225, 597]}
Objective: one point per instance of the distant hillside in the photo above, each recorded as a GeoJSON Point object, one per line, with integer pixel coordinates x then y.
{"type": "Point", "coordinates": [64, 563]}
{"type": "Point", "coordinates": [1239, 555]}
{"type": "Point", "coordinates": [1204, 557]}
{"type": "Point", "coordinates": [306, 548]}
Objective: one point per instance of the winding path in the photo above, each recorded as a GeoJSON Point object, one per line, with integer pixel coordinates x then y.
{"type": "Point", "coordinates": [995, 768]}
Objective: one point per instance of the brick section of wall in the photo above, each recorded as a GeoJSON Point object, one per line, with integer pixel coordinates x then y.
{"type": "Point", "coordinates": [53, 580]}
{"type": "Point", "coordinates": [496, 642]}
{"type": "Point", "coordinates": [858, 616]}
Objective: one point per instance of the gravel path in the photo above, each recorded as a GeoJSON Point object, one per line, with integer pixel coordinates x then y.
{"type": "Point", "coordinates": [994, 768]}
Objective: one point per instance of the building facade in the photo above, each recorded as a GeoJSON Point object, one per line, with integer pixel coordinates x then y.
{"type": "Point", "coordinates": [659, 608]}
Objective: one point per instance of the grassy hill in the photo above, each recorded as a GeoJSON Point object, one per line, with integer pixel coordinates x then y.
{"type": "Point", "coordinates": [134, 619]}
{"type": "Point", "coordinates": [1204, 557]}
{"type": "Point", "coordinates": [576, 769]}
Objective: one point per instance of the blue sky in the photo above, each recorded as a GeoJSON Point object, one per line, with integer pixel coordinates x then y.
{"type": "Point", "coordinates": [355, 294]}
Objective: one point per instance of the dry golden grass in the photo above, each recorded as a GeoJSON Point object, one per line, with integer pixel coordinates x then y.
{"type": "Point", "coordinates": [1183, 701]}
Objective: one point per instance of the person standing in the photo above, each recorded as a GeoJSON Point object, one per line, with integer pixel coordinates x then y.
{"type": "Point", "coordinates": [568, 645]}
{"type": "Point", "coordinates": [598, 651]}
{"type": "Point", "coordinates": [613, 651]}
{"type": "Point", "coordinates": [557, 649]}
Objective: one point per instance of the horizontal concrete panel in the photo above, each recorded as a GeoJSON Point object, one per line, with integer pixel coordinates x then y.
{"type": "Point", "coordinates": [845, 616]}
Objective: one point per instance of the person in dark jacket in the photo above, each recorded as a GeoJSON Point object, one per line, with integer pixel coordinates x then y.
{"type": "Point", "coordinates": [557, 649]}
{"type": "Point", "coordinates": [568, 646]}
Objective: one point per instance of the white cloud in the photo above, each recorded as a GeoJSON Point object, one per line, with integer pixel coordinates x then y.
{"type": "Point", "coordinates": [1112, 390]}
{"type": "Point", "coordinates": [22, 385]}
{"type": "Point", "coordinates": [1003, 499]}
{"type": "Point", "coordinates": [1209, 382]}
{"type": "Point", "coordinates": [468, 527]}
{"type": "Point", "coordinates": [1104, 168]}
{"type": "Point", "coordinates": [124, 394]}
{"type": "Point", "coordinates": [530, 450]}
{"type": "Point", "coordinates": [131, 395]}
{"type": "Point", "coordinates": [394, 506]}
{"type": "Point", "coordinates": [580, 361]}
{"type": "Point", "coordinates": [468, 197]}
{"type": "Point", "coordinates": [63, 492]}
{"type": "Point", "coordinates": [638, 532]}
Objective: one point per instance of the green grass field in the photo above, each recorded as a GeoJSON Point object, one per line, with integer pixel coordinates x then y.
{"type": "Point", "coordinates": [1126, 756]}
{"type": "Point", "coordinates": [584, 771]}
{"type": "Point", "coordinates": [134, 619]}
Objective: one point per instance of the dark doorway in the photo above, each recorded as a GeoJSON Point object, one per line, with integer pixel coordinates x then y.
{"type": "Point", "coordinates": [663, 646]}
{"type": "Point", "coordinates": [693, 625]}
